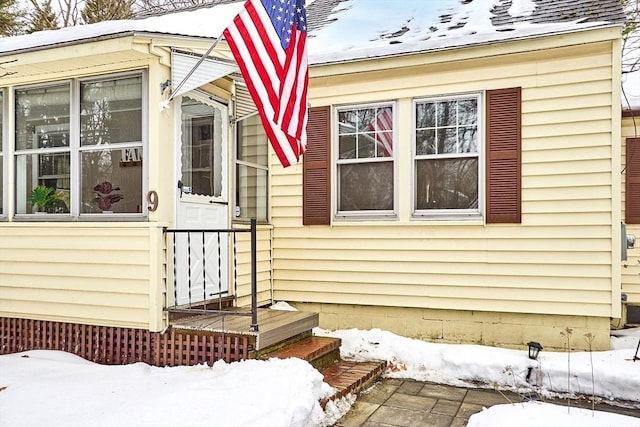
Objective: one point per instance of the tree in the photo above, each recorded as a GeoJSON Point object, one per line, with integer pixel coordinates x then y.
{"type": "Point", "coordinates": [9, 18]}
{"type": "Point", "coordinates": [42, 17]}
{"type": "Point", "coordinates": [106, 10]}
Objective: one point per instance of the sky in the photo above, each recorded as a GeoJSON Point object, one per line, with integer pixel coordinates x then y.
{"type": "Point", "coordinates": [52, 388]}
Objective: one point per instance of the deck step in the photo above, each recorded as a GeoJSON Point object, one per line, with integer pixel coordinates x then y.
{"type": "Point", "coordinates": [348, 376]}
{"type": "Point", "coordinates": [321, 352]}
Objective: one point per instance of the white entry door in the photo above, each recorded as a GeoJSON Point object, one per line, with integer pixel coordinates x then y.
{"type": "Point", "coordinates": [201, 265]}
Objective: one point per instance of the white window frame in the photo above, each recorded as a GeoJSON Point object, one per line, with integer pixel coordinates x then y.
{"type": "Point", "coordinates": [362, 215]}
{"type": "Point", "coordinates": [75, 149]}
{"type": "Point", "coordinates": [238, 215]}
{"type": "Point", "coordinates": [450, 214]}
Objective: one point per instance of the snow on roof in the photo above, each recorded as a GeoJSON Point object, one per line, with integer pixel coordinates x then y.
{"type": "Point", "coordinates": [346, 30]}
{"type": "Point", "coordinates": [205, 22]}
{"type": "Point", "coordinates": [361, 29]}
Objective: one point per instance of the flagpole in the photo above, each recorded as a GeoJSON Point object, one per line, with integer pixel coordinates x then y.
{"type": "Point", "coordinates": [200, 61]}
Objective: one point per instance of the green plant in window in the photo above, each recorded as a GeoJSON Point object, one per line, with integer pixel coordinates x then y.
{"type": "Point", "coordinates": [43, 198]}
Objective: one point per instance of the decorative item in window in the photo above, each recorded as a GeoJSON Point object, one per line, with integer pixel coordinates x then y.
{"type": "Point", "coordinates": [43, 199]}
{"type": "Point", "coordinates": [105, 196]}
{"type": "Point", "coordinates": [130, 157]}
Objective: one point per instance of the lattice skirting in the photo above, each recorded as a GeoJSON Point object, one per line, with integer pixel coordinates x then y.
{"type": "Point", "coordinates": [115, 345]}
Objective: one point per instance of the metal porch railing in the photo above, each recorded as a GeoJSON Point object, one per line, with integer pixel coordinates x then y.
{"type": "Point", "coordinates": [190, 252]}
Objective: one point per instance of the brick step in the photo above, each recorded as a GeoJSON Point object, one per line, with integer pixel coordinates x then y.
{"type": "Point", "coordinates": [321, 352]}
{"type": "Point", "coordinates": [348, 376]}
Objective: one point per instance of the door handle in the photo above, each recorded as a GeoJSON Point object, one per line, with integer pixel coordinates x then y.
{"type": "Point", "coordinates": [184, 188]}
{"type": "Point", "coordinates": [218, 203]}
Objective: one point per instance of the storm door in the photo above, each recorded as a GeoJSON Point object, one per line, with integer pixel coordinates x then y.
{"type": "Point", "coordinates": [201, 267]}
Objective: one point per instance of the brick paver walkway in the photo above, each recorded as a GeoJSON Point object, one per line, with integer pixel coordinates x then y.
{"type": "Point", "coordinates": [395, 402]}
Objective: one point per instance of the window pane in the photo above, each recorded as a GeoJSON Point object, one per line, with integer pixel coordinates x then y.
{"type": "Point", "coordinates": [42, 117]}
{"type": "Point", "coordinates": [252, 170]}
{"type": "Point", "coordinates": [366, 186]}
{"type": "Point", "coordinates": [252, 192]}
{"type": "Point", "coordinates": [201, 147]}
{"type": "Point", "coordinates": [447, 140]}
{"type": "Point", "coordinates": [111, 181]}
{"type": "Point", "coordinates": [347, 146]}
{"type": "Point", "coordinates": [468, 111]}
{"type": "Point", "coordinates": [447, 113]}
{"type": "Point", "coordinates": [111, 111]}
{"type": "Point", "coordinates": [365, 133]}
{"type": "Point", "coordinates": [468, 139]}
{"type": "Point", "coordinates": [252, 142]}
{"type": "Point", "coordinates": [425, 142]}
{"type": "Point", "coordinates": [37, 172]}
{"type": "Point", "coordinates": [425, 115]}
{"type": "Point", "coordinates": [447, 184]}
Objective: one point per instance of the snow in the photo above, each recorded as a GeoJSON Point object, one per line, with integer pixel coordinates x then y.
{"type": "Point", "coordinates": [376, 30]}
{"type": "Point", "coordinates": [59, 389]}
{"type": "Point", "coordinates": [360, 29]}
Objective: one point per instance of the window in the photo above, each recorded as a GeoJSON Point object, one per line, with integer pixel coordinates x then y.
{"type": "Point", "coordinates": [252, 169]}
{"type": "Point", "coordinates": [365, 160]}
{"type": "Point", "coordinates": [82, 142]}
{"type": "Point", "coordinates": [447, 156]}
{"type": "Point", "coordinates": [43, 150]}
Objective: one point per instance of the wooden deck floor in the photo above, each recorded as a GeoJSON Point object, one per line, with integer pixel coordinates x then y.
{"type": "Point", "coordinates": [274, 326]}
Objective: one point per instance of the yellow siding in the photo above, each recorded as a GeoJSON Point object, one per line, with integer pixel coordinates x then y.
{"type": "Point", "coordinates": [93, 274]}
{"type": "Point", "coordinates": [243, 267]}
{"type": "Point", "coordinates": [558, 261]}
{"type": "Point", "coordinates": [112, 273]}
{"type": "Point", "coordinates": [631, 267]}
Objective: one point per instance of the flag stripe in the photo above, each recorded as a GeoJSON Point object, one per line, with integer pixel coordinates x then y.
{"type": "Point", "coordinates": [268, 41]}
{"type": "Point", "coordinates": [286, 154]}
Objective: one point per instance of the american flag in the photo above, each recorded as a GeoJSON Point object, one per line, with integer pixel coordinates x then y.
{"type": "Point", "coordinates": [382, 124]}
{"type": "Point", "coordinates": [268, 39]}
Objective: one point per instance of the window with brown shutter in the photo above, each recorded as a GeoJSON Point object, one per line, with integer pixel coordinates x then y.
{"type": "Point", "coordinates": [632, 181]}
{"type": "Point", "coordinates": [503, 144]}
{"type": "Point", "coordinates": [316, 167]}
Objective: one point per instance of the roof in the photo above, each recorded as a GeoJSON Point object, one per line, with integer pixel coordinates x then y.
{"type": "Point", "coordinates": [341, 30]}
{"type": "Point", "coordinates": [346, 30]}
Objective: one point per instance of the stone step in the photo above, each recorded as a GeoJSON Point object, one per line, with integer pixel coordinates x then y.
{"type": "Point", "coordinates": [348, 376]}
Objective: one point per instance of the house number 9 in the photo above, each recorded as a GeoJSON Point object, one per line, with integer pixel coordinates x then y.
{"type": "Point", "coordinates": [152, 200]}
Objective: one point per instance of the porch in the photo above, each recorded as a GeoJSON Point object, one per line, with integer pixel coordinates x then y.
{"type": "Point", "coordinates": [275, 326]}
{"type": "Point", "coordinates": [201, 301]}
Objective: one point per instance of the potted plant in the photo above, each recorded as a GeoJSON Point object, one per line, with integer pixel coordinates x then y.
{"type": "Point", "coordinates": [105, 196]}
{"type": "Point", "coordinates": [43, 198]}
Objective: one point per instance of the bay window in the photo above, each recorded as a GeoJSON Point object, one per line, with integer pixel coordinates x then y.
{"type": "Point", "coordinates": [446, 156]}
{"type": "Point", "coordinates": [80, 143]}
{"type": "Point", "coordinates": [365, 160]}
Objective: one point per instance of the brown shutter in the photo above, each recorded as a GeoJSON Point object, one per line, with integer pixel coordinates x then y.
{"type": "Point", "coordinates": [316, 167]}
{"type": "Point", "coordinates": [503, 155]}
{"type": "Point", "coordinates": [632, 181]}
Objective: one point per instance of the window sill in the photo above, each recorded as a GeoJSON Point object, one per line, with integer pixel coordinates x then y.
{"type": "Point", "coordinates": [448, 219]}
{"type": "Point", "coordinates": [45, 217]}
{"type": "Point", "coordinates": [365, 217]}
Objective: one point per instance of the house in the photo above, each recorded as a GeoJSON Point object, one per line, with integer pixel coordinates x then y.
{"type": "Point", "coordinates": [461, 181]}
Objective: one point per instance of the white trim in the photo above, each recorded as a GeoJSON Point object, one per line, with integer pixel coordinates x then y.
{"type": "Point", "coordinates": [376, 215]}
{"type": "Point", "coordinates": [450, 214]}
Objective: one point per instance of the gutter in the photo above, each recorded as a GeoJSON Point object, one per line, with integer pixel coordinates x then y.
{"type": "Point", "coordinates": [122, 34]}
